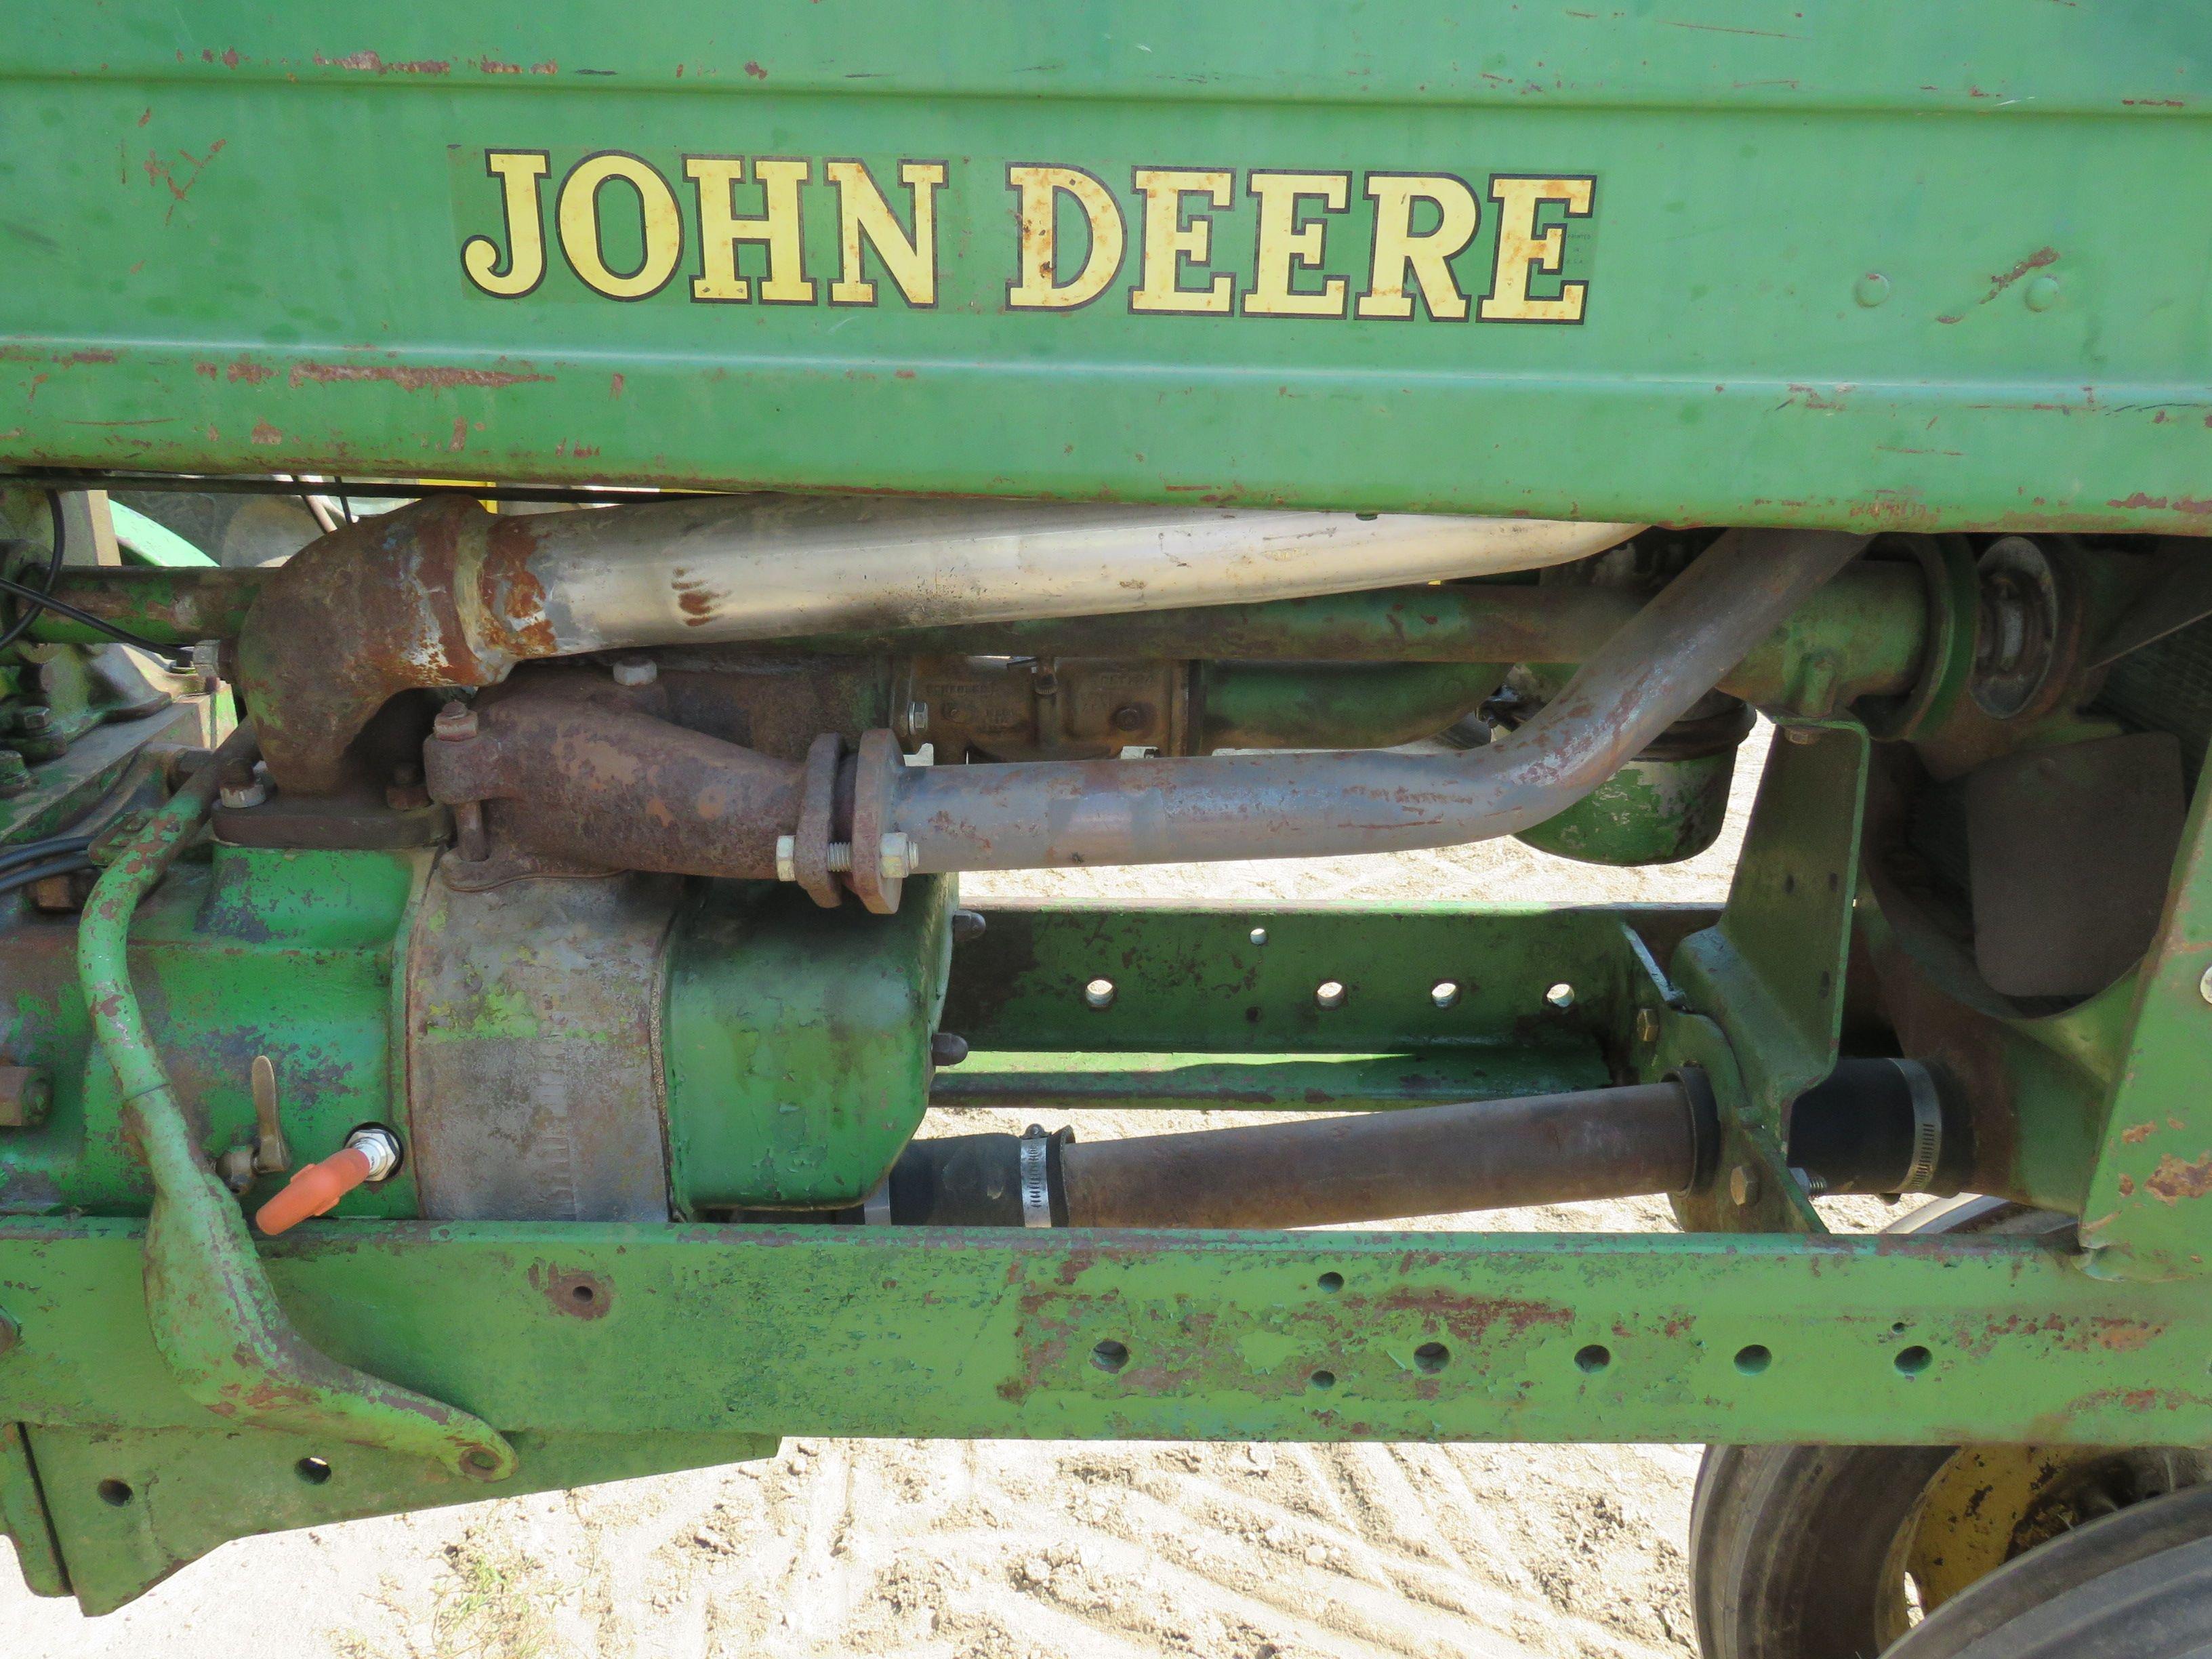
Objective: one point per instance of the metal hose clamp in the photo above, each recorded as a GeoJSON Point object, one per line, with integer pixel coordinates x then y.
{"type": "Point", "coordinates": [1927, 1127]}
{"type": "Point", "coordinates": [1036, 1176]}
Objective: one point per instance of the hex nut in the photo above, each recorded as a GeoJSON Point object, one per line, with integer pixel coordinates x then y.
{"type": "Point", "coordinates": [1647, 1025]}
{"type": "Point", "coordinates": [636, 671]}
{"type": "Point", "coordinates": [1743, 1185]}
{"type": "Point", "coordinates": [896, 856]}
{"type": "Point", "coordinates": [456, 723]}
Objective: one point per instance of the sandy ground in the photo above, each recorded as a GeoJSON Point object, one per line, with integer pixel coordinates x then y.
{"type": "Point", "coordinates": [1008, 1550]}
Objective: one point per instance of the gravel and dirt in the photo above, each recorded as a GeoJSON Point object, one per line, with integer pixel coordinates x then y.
{"type": "Point", "coordinates": [1009, 1550]}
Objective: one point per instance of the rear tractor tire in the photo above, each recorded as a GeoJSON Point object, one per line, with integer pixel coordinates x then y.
{"type": "Point", "coordinates": [1850, 1552]}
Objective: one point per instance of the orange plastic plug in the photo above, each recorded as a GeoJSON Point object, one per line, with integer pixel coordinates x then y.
{"type": "Point", "coordinates": [315, 1190]}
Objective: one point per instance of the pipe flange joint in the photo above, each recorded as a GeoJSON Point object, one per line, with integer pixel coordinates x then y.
{"type": "Point", "coordinates": [810, 866]}
{"type": "Point", "coordinates": [879, 868]}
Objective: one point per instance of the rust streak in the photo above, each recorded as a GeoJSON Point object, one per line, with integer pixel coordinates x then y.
{"type": "Point", "coordinates": [409, 377]}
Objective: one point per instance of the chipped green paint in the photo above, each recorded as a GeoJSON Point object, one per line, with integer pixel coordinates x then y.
{"type": "Point", "coordinates": [223, 1336]}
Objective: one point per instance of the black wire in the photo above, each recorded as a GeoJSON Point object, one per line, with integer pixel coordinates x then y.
{"type": "Point", "coordinates": [31, 851]}
{"type": "Point", "coordinates": [39, 601]}
{"type": "Point", "coordinates": [16, 880]}
{"type": "Point", "coordinates": [15, 629]}
{"type": "Point", "coordinates": [343, 503]}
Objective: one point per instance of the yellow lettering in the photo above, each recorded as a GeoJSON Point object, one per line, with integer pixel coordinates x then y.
{"type": "Point", "coordinates": [862, 213]}
{"type": "Point", "coordinates": [1286, 242]}
{"type": "Point", "coordinates": [581, 223]}
{"type": "Point", "coordinates": [721, 227]}
{"type": "Point", "coordinates": [1169, 240]}
{"type": "Point", "coordinates": [1425, 260]}
{"type": "Point", "coordinates": [1038, 288]}
{"type": "Point", "coordinates": [519, 172]}
{"type": "Point", "coordinates": [1520, 250]}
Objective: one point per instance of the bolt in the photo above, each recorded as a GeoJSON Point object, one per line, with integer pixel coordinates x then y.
{"type": "Point", "coordinates": [636, 671]}
{"type": "Point", "coordinates": [895, 857]}
{"type": "Point", "coordinates": [1647, 1025]}
{"type": "Point", "coordinates": [1801, 734]}
{"type": "Point", "coordinates": [946, 1049]}
{"type": "Point", "coordinates": [2204, 985]}
{"type": "Point", "coordinates": [787, 858]}
{"type": "Point", "coordinates": [1743, 1185]}
{"type": "Point", "coordinates": [245, 788]}
{"type": "Point", "coordinates": [10, 1332]}
{"type": "Point", "coordinates": [379, 1146]}
{"type": "Point", "coordinates": [967, 924]}
{"type": "Point", "coordinates": [456, 722]}
{"type": "Point", "coordinates": [917, 719]}
{"type": "Point", "coordinates": [15, 772]}
{"type": "Point", "coordinates": [36, 719]}
{"type": "Point", "coordinates": [1131, 717]}
{"type": "Point", "coordinates": [207, 663]}
{"type": "Point", "coordinates": [470, 843]}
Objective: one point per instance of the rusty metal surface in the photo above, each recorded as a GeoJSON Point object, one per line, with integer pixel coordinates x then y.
{"type": "Point", "coordinates": [576, 767]}
{"type": "Point", "coordinates": [1424, 1160]}
{"type": "Point", "coordinates": [1049, 814]}
{"type": "Point", "coordinates": [534, 1083]}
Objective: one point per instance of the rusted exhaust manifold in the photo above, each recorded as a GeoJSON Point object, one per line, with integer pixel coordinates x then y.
{"type": "Point", "coordinates": [442, 594]}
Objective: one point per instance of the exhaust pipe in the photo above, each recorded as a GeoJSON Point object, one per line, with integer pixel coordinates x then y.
{"type": "Point", "coordinates": [698, 806]}
{"type": "Point", "coordinates": [443, 593]}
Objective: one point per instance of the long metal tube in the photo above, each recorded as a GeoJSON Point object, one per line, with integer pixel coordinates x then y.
{"type": "Point", "coordinates": [1046, 815]}
{"type": "Point", "coordinates": [1379, 1166]}
{"type": "Point", "coordinates": [705, 570]}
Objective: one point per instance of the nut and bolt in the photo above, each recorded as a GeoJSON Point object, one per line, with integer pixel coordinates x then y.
{"type": "Point", "coordinates": [1132, 717]}
{"type": "Point", "coordinates": [895, 857]}
{"type": "Point", "coordinates": [946, 1049]}
{"type": "Point", "coordinates": [917, 719]}
{"type": "Point", "coordinates": [1743, 1185]}
{"type": "Point", "coordinates": [36, 720]}
{"type": "Point", "coordinates": [207, 663]}
{"type": "Point", "coordinates": [2204, 985]}
{"type": "Point", "coordinates": [1647, 1025]}
{"type": "Point", "coordinates": [1801, 734]}
{"type": "Point", "coordinates": [967, 924]}
{"type": "Point", "coordinates": [15, 772]}
{"type": "Point", "coordinates": [456, 723]}
{"type": "Point", "coordinates": [245, 786]}
{"type": "Point", "coordinates": [636, 671]}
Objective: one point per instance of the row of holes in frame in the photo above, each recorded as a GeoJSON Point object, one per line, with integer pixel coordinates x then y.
{"type": "Point", "coordinates": [1331, 994]}
{"type": "Point", "coordinates": [1112, 1354]}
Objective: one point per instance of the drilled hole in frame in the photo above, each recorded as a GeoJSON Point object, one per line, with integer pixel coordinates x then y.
{"type": "Point", "coordinates": [1331, 1281]}
{"type": "Point", "coordinates": [1594, 1358]}
{"type": "Point", "coordinates": [1109, 1355]}
{"type": "Point", "coordinates": [1753, 1360]}
{"type": "Point", "coordinates": [313, 1470]}
{"type": "Point", "coordinates": [1912, 1361]}
{"type": "Point", "coordinates": [1323, 1379]}
{"type": "Point", "coordinates": [116, 1493]}
{"type": "Point", "coordinates": [1431, 1357]}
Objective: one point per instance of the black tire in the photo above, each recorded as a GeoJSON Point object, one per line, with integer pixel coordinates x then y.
{"type": "Point", "coordinates": [1795, 1552]}
{"type": "Point", "coordinates": [2133, 1585]}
